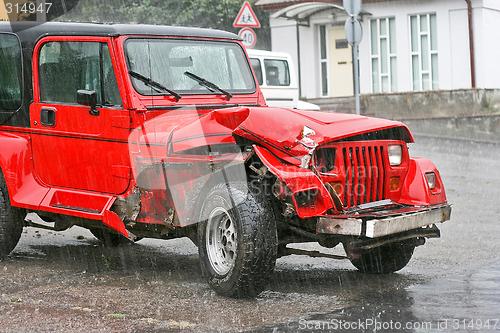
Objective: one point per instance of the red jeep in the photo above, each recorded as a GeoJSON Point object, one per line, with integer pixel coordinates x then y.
{"type": "Point", "coordinates": [139, 131]}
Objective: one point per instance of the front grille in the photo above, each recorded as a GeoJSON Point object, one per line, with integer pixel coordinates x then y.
{"type": "Point", "coordinates": [364, 169]}
{"type": "Point", "coordinates": [365, 174]}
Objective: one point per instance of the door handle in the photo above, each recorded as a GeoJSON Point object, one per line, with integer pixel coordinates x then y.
{"type": "Point", "coordinates": [48, 117]}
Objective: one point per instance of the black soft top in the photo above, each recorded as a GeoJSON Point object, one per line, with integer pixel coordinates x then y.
{"type": "Point", "coordinates": [32, 31]}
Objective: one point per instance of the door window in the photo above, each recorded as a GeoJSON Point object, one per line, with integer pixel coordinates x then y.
{"type": "Point", "coordinates": [66, 67]}
{"type": "Point", "coordinates": [10, 73]}
{"type": "Point", "coordinates": [277, 72]}
{"type": "Point", "coordinates": [257, 68]}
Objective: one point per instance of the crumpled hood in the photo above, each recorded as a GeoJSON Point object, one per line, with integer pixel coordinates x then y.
{"type": "Point", "coordinates": [278, 129]}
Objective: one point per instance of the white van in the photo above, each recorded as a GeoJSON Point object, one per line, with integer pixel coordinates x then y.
{"type": "Point", "coordinates": [277, 79]}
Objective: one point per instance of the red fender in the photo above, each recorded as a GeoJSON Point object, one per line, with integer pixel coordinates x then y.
{"type": "Point", "coordinates": [16, 164]}
{"type": "Point", "coordinates": [415, 190]}
{"type": "Point", "coordinates": [298, 180]}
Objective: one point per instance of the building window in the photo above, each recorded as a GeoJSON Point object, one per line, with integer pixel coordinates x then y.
{"type": "Point", "coordinates": [424, 52]}
{"type": "Point", "coordinates": [10, 73]}
{"type": "Point", "coordinates": [323, 60]}
{"type": "Point", "coordinates": [383, 55]}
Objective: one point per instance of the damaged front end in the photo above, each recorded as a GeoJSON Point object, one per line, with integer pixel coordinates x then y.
{"type": "Point", "coordinates": [358, 186]}
{"type": "Point", "coordinates": [329, 178]}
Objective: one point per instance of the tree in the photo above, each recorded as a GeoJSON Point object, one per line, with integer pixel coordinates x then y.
{"type": "Point", "coordinates": [215, 14]}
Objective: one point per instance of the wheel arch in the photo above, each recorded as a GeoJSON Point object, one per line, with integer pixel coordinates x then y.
{"type": "Point", "coordinates": [230, 174]}
{"type": "Point", "coordinates": [17, 168]}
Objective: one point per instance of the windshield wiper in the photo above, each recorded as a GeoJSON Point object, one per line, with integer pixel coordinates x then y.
{"type": "Point", "coordinates": [211, 86]}
{"type": "Point", "coordinates": [153, 84]}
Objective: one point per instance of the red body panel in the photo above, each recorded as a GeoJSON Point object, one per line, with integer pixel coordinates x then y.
{"type": "Point", "coordinates": [267, 127]}
{"type": "Point", "coordinates": [16, 164]}
{"type": "Point", "coordinates": [416, 190]}
{"type": "Point", "coordinates": [77, 138]}
{"type": "Point", "coordinates": [298, 180]}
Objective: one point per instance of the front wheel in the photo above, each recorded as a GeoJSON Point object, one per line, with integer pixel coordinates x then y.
{"type": "Point", "coordinates": [237, 241]}
{"type": "Point", "coordinates": [11, 221]}
{"type": "Point", "coordinates": [384, 259]}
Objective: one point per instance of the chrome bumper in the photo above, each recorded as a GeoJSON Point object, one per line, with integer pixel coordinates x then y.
{"type": "Point", "coordinates": [400, 220]}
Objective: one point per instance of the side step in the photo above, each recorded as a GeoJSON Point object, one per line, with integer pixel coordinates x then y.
{"type": "Point", "coordinates": [41, 224]}
{"type": "Point", "coordinates": [87, 205]}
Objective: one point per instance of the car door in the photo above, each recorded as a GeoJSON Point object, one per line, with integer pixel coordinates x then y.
{"type": "Point", "coordinates": [73, 146]}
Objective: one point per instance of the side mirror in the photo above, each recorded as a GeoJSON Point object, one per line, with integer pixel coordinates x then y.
{"type": "Point", "coordinates": [88, 98]}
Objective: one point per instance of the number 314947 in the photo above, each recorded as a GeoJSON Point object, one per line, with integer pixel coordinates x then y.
{"type": "Point", "coordinates": [26, 8]}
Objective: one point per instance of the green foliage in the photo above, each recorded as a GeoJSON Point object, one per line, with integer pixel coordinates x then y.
{"type": "Point", "coordinates": [215, 14]}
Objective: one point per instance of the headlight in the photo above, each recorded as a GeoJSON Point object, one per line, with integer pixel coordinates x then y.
{"type": "Point", "coordinates": [395, 154]}
{"type": "Point", "coordinates": [431, 179]}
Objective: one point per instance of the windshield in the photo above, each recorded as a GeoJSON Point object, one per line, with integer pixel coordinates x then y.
{"type": "Point", "coordinates": [164, 62]}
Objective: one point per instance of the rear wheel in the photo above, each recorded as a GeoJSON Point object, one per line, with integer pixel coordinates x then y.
{"type": "Point", "coordinates": [237, 242]}
{"type": "Point", "coordinates": [11, 221]}
{"type": "Point", "coordinates": [384, 259]}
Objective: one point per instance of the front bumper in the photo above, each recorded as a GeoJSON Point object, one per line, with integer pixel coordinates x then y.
{"type": "Point", "coordinates": [382, 220]}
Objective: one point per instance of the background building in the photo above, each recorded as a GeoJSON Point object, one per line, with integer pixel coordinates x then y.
{"type": "Point", "coordinates": [407, 46]}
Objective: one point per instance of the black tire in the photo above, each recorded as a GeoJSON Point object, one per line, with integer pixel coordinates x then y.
{"type": "Point", "coordinates": [239, 258]}
{"type": "Point", "coordinates": [384, 259]}
{"type": "Point", "coordinates": [109, 238]}
{"type": "Point", "coordinates": [11, 221]}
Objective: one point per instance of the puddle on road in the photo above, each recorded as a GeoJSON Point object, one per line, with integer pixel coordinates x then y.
{"type": "Point", "coordinates": [466, 303]}
{"type": "Point", "coordinates": [460, 303]}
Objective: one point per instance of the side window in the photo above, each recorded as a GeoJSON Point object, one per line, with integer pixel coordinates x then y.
{"type": "Point", "coordinates": [257, 68]}
{"type": "Point", "coordinates": [277, 72]}
{"type": "Point", "coordinates": [10, 73]}
{"type": "Point", "coordinates": [110, 90]}
{"type": "Point", "coordinates": [65, 67]}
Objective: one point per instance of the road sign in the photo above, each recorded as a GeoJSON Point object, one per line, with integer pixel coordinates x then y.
{"type": "Point", "coordinates": [352, 7]}
{"type": "Point", "coordinates": [249, 37]}
{"type": "Point", "coordinates": [354, 33]}
{"type": "Point", "coordinates": [353, 30]}
{"type": "Point", "coordinates": [246, 17]}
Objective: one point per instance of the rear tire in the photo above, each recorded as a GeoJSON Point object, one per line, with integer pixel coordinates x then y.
{"type": "Point", "coordinates": [384, 259]}
{"type": "Point", "coordinates": [237, 245]}
{"type": "Point", "coordinates": [11, 221]}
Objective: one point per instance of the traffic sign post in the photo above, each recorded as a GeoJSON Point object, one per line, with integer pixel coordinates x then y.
{"type": "Point", "coordinates": [354, 34]}
{"type": "Point", "coordinates": [353, 30]}
{"type": "Point", "coordinates": [249, 37]}
{"type": "Point", "coordinates": [246, 17]}
{"type": "Point", "coordinates": [352, 7]}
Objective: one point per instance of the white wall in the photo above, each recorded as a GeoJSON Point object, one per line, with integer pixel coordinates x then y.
{"type": "Point", "coordinates": [486, 20]}
{"type": "Point", "coordinates": [459, 49]}
{"type": "Point", "coordinates": [284, 39]}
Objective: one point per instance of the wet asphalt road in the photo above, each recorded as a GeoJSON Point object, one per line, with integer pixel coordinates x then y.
{"type": "Point", "coordinates": [68, 282]}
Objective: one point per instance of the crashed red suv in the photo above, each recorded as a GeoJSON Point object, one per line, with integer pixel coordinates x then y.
{"type": "Point", "coordinates": [140, 131]}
